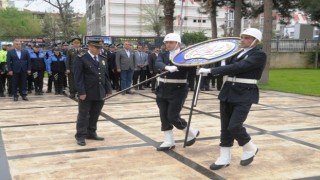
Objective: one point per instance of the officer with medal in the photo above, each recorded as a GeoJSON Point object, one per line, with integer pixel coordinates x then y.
{"type": "Point", "coordinates": [237, 95]}
{"type": "Point", "coordinates": [93, 85]}
{"type": "Point", "coordinates": [171, 94]}
{"type": "Point", "coordinates": [71, 56]}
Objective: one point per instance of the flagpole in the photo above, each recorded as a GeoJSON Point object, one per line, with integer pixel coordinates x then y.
{"type": "Point", "coordinates": [181, 18]}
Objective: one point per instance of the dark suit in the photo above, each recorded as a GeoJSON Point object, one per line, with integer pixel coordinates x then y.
{"type": "Point", "coordinates": [71, 56]}
{"type": "Point", "coordinates": [19, 67]}
{"type": "Point", "coordinates": [152, 69]}
{"type": "Point", "coordinates": [126, 65]}
{"type": "Point", "coordinates": [91, 79]}
{"type": "Point", "coordinates": [236, 98]}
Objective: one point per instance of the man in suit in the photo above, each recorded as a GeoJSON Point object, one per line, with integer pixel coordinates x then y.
{"type": "Point", "coordinates": [151, 62]}
{"type": "Point", "coordinates": [19, 66]}
{"type": "Point", "coordinates": [114, 75]}
{"type": "Point", "coordinates": [93, 85]}
{"type": "Point", "coordinates": [141, 62]}
{"type": "Point", "coordinates": [125, 66]}
{"type": "Point", "coordinates": [71, 56]}
{"type": "Point", "coordinates": [236, 97]}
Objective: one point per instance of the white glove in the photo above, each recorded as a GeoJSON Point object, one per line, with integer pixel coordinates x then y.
{"type": "Point", "coordinates": [204, 71]}
{"type": "Point", "coordinates": [171, 68]}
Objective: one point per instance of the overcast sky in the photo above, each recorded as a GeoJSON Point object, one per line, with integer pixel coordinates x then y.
{"type": "Point", "coordinates": [40, 5]}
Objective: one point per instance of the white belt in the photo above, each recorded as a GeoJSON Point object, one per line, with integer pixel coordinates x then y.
{"type": "Point", "coordinates": [172, 80]}
{"type": "Point", "coordinates": [242, 80]}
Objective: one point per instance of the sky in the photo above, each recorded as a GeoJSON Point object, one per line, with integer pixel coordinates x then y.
{"type": "Point", "coordinates": [40, 5]}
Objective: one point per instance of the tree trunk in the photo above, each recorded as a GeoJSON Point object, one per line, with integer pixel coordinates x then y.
{"type": "Point", "coordinates": [267, 36]}
{"type": "Point", "coordinates": [168, 10]}
{"type": "Point", "coordinates": [213, 18]}
{"type": "Point", "coordinates": [237, 18]}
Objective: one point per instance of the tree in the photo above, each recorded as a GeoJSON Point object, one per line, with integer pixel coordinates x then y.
{"type": "Point", "coordinates": [190, 38]}
{"type": "Point", "coordinates": [168, 11]}
{"type": "Point", "coordinates": [82, 27]}
{"type": "Point", "coordinates": [151, 17]}
{"type": "Point", "coordinates": [65, 14]}
{"type": "Point", "coordinates": [18, 23]}
{"type": "Point", "coordinates": [312, 9]}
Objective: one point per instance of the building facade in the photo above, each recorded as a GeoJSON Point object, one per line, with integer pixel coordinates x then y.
{"type": "Point", "coordinates": [123, 17]}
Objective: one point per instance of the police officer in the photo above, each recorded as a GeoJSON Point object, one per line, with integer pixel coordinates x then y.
{"type": "Point", "coordinates": [171, 94]}
{"type": "Point", "coordinates": [71, 56]}
{"type": "Point", "coordinates": [56, 68]}
{"type": "Point", "coordinates": [93, 85]}
{"type": "Point", "coordinates": [236, 97]}
{"type": "Point", "coordinates": [3, 67]}
{"type": "Point", "coordinates": [38, 66]}
{"type": "Point", "coordinates": [50, 77]}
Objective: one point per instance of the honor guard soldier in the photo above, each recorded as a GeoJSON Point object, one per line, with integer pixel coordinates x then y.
{"type": "Point", "coordinates": [237, 95]}
{"type": "Point", "coordinates": [71, 56]}
{"type": "Point", "coordinates": [171, 94]}
{"type": "Point", "coordinates": [38, 66]}
{"type": "Point", "coordinates": [93, 85]}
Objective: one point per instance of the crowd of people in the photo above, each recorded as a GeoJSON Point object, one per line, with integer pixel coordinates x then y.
{"type": "Point", "coordinates": [22, 70]}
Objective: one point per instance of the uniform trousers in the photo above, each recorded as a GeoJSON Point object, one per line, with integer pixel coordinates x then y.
{"type": "Point", "coordinates": [88, 115]}
{"type": "Point", "coordinates": [38, 79]}
{"type": "Point", "coordinates": [170, 101]}
{"type": "Point", "coordinates": [58, 80]}
{"type": "Point", "coordinates": [233, 116]}
{"type": "Point", "coordinates": [72, 87]}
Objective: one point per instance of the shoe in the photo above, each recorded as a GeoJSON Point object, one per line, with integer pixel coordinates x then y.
{"type": "Point", "coordinates": [129, 92]}
{"type": "Point", "coordinates": [168, 142]}
{"type": "Point", "coordinates": [56, 93]}
{"type": "Point", "coordinates": [81, 142]}
{"type": "Point", "coordinates": [40, 93]}
{"type": "Point", "coordinates": [95, 137]}
{"type": "Point", "coordinates": [123, 93]}
{"type": "Point", "coordinates": [223, 160]}
{"type": "Point", "coordinates": [2, 95]}
{"type": "Point", "coordinates": [249, 151]}
{"type": "Point", "coordinates": [141, 89]}
{"type": "Point", "coordinates": [25, 98]}
{"type": "Point", "coordinates": [48, 91]}
{"type": "Point", "coordinates": [15, 99]}
{"type": "Point", "coordinates": [30, 91]}
{"type": "Point", "coordinates": [192, 136]}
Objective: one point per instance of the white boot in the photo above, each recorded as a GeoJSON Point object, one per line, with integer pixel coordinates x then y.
{"type": "Point", "coordinates": [223, 160]}
{"type": "Point", "coordinates": [168, 141]}
{"type": "Point", "coordinates": [249, 151]}
{"type": "Point", "coordinates": [192, 135]}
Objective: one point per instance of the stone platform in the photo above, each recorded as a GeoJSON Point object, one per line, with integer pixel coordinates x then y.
{"type": "Point", "coordinates": [37, 140]}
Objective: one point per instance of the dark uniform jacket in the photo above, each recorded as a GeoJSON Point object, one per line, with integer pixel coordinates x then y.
{"type": "Point", "coordinates": [152, 62]}
{"type": "Point", "coordinates": [71, 56]}
{"type": "Point", "coordinates": [38, 62]}
{"type": "Point", "coordinates": [171, 89]}
{"type": "Point", "coordinates": [18, 65]}
{"type": "Point", "coordinates": [249, 66]}
{"type": "Point", "coordinates": [91, 78]}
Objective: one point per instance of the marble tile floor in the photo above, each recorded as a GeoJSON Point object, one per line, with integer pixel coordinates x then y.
{"type": "Point", "coordinates": [37, 140]}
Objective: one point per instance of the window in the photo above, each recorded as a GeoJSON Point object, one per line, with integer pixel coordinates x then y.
{"type": "Point", "coordinates": [194, 20]}
{"type": "Point", "coordinates": [203, 21]}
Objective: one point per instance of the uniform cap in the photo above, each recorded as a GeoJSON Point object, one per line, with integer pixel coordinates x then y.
{"type": "Point", "coordinates": [256, 33]}
{"type": "Point", "coordinates": [76, 39]}
{"type": "Point", "coordinates": [172, 37]}
{"type": "Point", "coordinates": [96, 42]}
{"type": "Point", "coordinates": [56, 49]}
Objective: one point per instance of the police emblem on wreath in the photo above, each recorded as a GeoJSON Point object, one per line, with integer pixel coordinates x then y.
{"type": "Point", "coordinates": [208, 52]}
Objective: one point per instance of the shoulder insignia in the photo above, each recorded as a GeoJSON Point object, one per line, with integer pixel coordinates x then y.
{"type": "Point", "coordinates": [81, 54]}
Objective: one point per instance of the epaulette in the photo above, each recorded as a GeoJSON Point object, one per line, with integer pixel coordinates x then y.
{"type": "Point", "coordinates": [81, 54]}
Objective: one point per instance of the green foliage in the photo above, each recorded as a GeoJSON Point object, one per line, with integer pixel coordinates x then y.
{"type": "Point", "coordinates": [299, 81]}
{"type": "Point", "coordinates": [82, 28]}
{"type": "Point", "coordinates": [189, 38]}
{"type": "Point", "coordinates": [311, 56]}
{"type": "Point", "coordinates": [18, 23]}
{"type": "Point", "coordinates": [312, 8]}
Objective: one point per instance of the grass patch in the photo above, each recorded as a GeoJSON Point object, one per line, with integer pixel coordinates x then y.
{"type": "Point", "coordinates": [298, 81]}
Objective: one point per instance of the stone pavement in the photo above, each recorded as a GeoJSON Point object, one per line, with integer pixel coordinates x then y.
{"type": "Point", "coordinates": [37, 140]}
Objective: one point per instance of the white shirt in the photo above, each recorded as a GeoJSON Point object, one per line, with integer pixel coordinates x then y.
{"type": "Point", "coordinates": [94, 56]}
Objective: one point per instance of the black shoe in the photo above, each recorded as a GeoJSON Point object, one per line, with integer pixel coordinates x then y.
{"type": "Point", "coordinates": [95, 137]}
{"type": "Point", "coordinates": [129, 92]}
{"type": "Point", "coordinates": [81, 142]}
{"type": "Point", "coordinates": [141, 89]}
{"type": "Point", "coordinates": [30, 91]}
{"type": "Point", "coordinates": [48, 91]}
{"type": "Point", "coordinates": [15, 99]}
{"type": "Point", "coordinates": [72, 96]}
{"type": "Point", "coordinates": [25, 98]}
{"type": "Point", "coordinates": [56, 93]}
{"type": "Point", "coordinates": [248, 161]}
{"type": "Point", "coordinates": [40, 93]}
{"type": "Point", "coordinates": [191, 142]}
{"type": "Point", "coordinates": [2, 95]}
{"type": "Point", "coordinates": [216, 167]}
{"type": "Point", "coordinates": [165, 148]}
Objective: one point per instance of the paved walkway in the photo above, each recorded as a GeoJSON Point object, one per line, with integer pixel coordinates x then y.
{"type": "Point", "coordinates": [37, 140]}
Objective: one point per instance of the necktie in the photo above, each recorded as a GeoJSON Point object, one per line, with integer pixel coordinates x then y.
{"type": "Point", "coordinates": [95, 58]}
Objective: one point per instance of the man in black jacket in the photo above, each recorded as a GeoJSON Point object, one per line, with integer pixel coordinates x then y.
{"type": "Point", "coordinates": [171, 94]}
{"type": "Point", "coordinates": [93, 85]}
{"type": "Point", "coordinates": [236, 97]}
